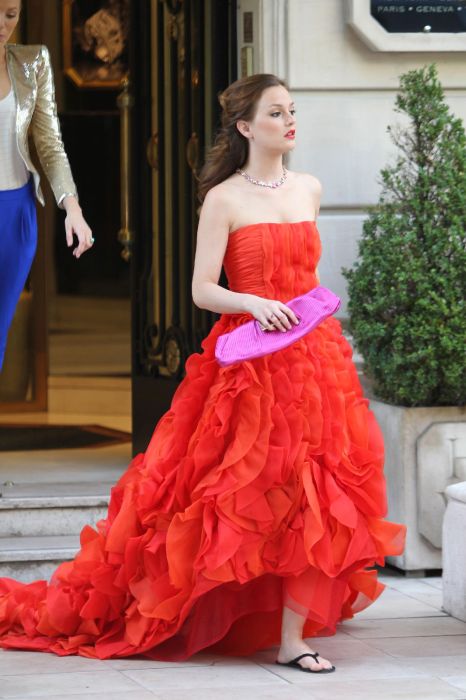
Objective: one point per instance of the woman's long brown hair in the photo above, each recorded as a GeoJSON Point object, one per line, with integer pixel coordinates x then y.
{"type": "Point", "coordinates": [230, 150]}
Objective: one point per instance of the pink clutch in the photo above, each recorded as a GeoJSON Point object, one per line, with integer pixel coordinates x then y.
{"type": "Point", "coordinates": [249, 341]}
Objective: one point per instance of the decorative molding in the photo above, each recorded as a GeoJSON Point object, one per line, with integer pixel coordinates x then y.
{"type": "Point", "coordinates": [250, 53]}
{"type": "Point", "coordinates": [375, 36]}
{"type": "Point", "coordinates": [440, 462]}
{"type": "Point", "coordinates": [274, 26]}
{"type": "Point", "coordinates": [269, 48]}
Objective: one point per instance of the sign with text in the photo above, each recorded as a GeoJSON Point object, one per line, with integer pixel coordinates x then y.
{"type": "Point", "coordinates": [420, 15]}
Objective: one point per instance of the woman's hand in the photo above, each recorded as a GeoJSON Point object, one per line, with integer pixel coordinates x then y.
{"type": "Point", "coordinates": [272, 315]}
{"type": "Point", "coordinates": [76, 224]}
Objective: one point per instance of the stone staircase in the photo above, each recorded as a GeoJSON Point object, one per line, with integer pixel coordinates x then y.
{"type": "Point", "coordinates": [40, 524]}
{"type": "Point", "coordinates": [46, 498]}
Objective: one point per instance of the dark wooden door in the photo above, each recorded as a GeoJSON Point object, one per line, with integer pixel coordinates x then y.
{"type": "Point", "coordinates": [183, 54]}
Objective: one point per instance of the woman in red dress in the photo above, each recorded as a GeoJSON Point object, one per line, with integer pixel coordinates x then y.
{"type": "Point", "coordinates": [255, 516]}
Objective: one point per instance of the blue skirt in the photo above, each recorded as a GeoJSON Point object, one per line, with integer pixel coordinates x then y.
{"type": "Point", "coordinates": [18, 241]}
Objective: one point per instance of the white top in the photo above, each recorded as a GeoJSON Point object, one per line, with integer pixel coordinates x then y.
{"type": "Point", "coordinates": [13, 172]}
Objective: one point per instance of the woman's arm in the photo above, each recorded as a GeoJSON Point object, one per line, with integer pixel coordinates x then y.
{"type": "Point", "coordinates": [46, 133]}
{"type": "Point", "coordinates": [49, 144]}
{"type": "Point", "coordinates": [212, 239]}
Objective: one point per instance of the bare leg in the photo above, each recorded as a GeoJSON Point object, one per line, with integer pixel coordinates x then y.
{"type": "Point", "coordinates": [292, 643]}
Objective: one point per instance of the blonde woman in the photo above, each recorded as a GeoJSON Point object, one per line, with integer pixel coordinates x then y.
{"type": "Point", "coordinates": [27, 105]}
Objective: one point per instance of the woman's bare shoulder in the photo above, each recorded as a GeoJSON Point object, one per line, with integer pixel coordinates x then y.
{"type": "Point", "coordinates": [309, 182]}
{"type": "Point", "coordinates": [218, 208]}
{"type": "Point", "coordinates": [221, 193]}
{"type": "Point", "coordinates": [225, 195]}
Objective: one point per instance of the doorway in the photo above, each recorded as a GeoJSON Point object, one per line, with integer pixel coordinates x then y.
{"type": "Point", "coordinates": [185, 54]}
{"type": "Point", "coordinates": [113, 320]}
{"type": "Point", "coordinates": [89, 305]}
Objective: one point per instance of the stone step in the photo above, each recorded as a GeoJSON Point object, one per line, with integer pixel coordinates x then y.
{"type": "Point", "coordinates": [84, 394]}
{"type": "Point", "coordinates": [45, 509]}
{"type": "Point", "coordinates": [31, 558]}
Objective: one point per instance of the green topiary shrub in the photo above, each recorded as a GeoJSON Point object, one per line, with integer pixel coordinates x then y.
{"type": "Point", "coordinates": [408, 289]}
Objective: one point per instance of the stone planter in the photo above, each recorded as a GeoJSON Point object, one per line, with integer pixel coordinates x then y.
{"type": "Point", "coordinates": [454, 552]}
{"type": "Point", "coordinates": [425, 451]}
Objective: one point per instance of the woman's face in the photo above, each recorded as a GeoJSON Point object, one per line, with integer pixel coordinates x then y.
{"type": "Point", "coordinates": [9, 16]}
{"type": "Point", "coordinates": [274, 124]}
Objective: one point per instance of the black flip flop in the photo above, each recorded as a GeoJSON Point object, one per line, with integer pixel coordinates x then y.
{"type": "Point", "coordinates": [294, 664]}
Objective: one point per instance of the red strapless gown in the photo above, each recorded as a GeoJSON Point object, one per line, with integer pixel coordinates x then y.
{"type": "Point", "coordinates": [262, 485]}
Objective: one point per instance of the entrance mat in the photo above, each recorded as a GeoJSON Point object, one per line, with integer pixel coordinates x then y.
{"type": "Point", "coordinates": [19, 438]}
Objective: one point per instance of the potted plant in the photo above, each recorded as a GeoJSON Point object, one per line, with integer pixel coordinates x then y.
{"type": "Point", "coordinates": [407, 306]}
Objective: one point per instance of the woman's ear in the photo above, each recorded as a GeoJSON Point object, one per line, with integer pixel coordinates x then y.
{"type": "Point", "coordinates": [244, 128]}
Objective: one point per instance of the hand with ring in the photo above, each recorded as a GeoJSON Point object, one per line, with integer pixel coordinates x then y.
{"type": "Point", "coordinates": [272, 315]}
{"type": "Point", "coordinates": [76, 225]}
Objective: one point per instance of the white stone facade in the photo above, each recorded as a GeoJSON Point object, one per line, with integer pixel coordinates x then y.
{"type": "Point", "coordinates": [454, 552]}
{"type": "Point", "coordinates": [344, 92]}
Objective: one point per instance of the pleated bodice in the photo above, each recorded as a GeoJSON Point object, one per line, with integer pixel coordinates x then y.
{"type": "Point", "coordinates": [273, 260]}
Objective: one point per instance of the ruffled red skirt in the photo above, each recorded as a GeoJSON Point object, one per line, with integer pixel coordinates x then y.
{"type": "Point", "coordinates": [262, 486]}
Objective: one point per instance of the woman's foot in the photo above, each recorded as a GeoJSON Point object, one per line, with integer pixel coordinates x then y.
{"type": "Point", "coordinates": [289, 650]}
{"type": "Point", "coordinates": [293, 645]}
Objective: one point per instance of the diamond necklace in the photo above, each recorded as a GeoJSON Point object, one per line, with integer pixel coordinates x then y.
{"type": "Point", "coordinates": [262, 183]}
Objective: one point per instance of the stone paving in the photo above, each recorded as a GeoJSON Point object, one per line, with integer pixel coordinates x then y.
{"type": "Point", "coordinates": [404, 646]}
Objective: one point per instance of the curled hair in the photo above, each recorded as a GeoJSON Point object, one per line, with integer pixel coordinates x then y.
{"type": "Point", "coordinates": [230, 150]}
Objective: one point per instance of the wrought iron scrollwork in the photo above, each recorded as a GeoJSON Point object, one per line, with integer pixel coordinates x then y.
{"type": "Point", "coordinates": [193, 155]}
{"type": "Point", "coordinates": [125, 103]}
{"type": "Point", "coordinates": [173, 6]}
{"type": "Point", "coordinates": [174, 351]}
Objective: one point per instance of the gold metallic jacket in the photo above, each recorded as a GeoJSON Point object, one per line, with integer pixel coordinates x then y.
{"type": "Point", "coordinates": [32, 80]}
